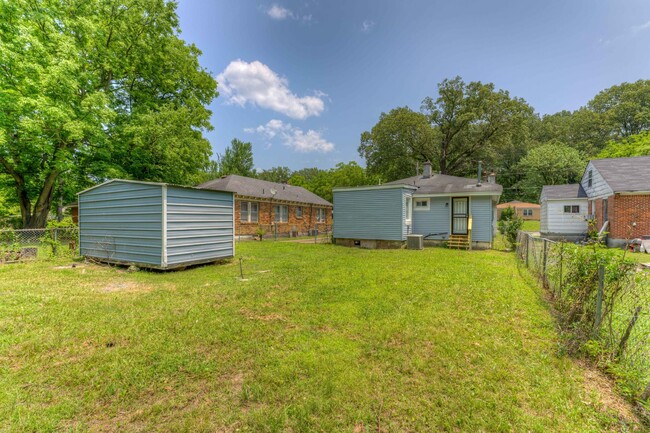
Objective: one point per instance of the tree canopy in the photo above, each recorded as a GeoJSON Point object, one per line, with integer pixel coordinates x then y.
{"type": "Point", "coordinates": [94, 89]}
{"type": "Point", "coordinates": [237, 159]}
{"type": "Point", "coordinates": [634, 145]}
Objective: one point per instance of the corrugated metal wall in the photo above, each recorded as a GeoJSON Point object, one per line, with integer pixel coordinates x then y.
{"type": "Point", "coordinates": [199, 225]}
{"type": "Point", "coordinates": [154, 224]}
{"type": "Point", "coordinates": [122, 221]}
{"type": "Point", "coordinates": [481, 210]}
{"type": "Point", "coordinates": [375, 214]}
{"type": "Point", "coordinates": [434, 220]}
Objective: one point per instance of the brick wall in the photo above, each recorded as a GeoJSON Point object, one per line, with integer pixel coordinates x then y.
{"type": "Point", "coordinates": [266, 219]}
{"type": "Point", "coordinates": [624, 210]}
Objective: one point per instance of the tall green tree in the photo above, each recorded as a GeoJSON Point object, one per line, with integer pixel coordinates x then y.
{"type": "Point", "coordinates": [625, 108]}
{"type": "Point", "coordinates": [237, 159]}
{"type": "Point", "coordinates": [397, 143]}
{"type": "Point", "coordinates": [321, 182]}
{"type": "Point", "coordinates": [275, 174]}
{"type": "Point", "coordinates": [634, 145]}
{"type": "Point", "coordinates": [92, 89]}
{"type": "Point", "coordinates": [474, 121]}
{"type": "Point", "coordinates": [549, 164]}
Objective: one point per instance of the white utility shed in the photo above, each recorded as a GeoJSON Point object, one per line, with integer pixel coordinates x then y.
{"type": "Point", "coordinates": [564, 211]}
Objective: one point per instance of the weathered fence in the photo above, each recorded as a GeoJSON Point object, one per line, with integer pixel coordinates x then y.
{"type": "Point", "coordinates": [34, 243]}
{"type": "Point", "coordinates": [602, 300]}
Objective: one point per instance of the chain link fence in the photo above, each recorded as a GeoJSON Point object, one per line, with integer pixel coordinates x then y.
{"type": "Point", "coordinates": [602, 301]}
{"type": "Point", "coordinates": [24, 244]}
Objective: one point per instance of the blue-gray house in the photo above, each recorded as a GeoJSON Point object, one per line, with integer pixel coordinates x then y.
{"type": "Point", "coordinates": [444, 209]}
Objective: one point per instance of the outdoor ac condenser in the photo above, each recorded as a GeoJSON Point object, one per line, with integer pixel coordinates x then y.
{"type": "Point", "coordinates": [415, 242]}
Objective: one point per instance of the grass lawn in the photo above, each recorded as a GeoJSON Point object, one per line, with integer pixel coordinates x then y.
{"type": "Point", "coordinates": [530, 226]}
{"type": "Point", "coordinates": [317, 338]}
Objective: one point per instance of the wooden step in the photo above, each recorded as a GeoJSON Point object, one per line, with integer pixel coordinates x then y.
{"type": "Point", "coordinates": [458, 241]}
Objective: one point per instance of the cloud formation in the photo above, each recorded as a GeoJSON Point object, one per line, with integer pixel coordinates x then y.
{"type": "Point", "coordinates": [294, 137]}
{"type": "Point", "coordinates": [281, 13]}
{"type": "Point", "coordinates": [367, 25]}
{"type": "Point", "coordinates": [640, 27]}
{"type": "Point", "coordinates": [256, 84]}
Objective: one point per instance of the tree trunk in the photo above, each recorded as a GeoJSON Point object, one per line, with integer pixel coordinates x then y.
{"type": "Point", "coordinates": [37, 218]}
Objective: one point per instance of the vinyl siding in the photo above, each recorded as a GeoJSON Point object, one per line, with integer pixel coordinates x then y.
{"type": "Point", "coordinates": [599, 188]}
{"type": "Point", "coordinates": [555, 221]}
{"type": "Point", "coordinates": [199, 225]}
{"type": "Point", "coordinates": [482, 213]}
{"type": "Point", "coordinates": [122, 221]}
{"type": "Point", "coordinates": [370, 214]}
{"type": "Point", "coordinates": [434, 220]}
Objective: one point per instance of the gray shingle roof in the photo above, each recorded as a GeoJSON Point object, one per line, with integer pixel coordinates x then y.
{"type": "Point", "coordinates": [249, 187]}
{"type": "Point", "coordinates": [445, 184]}
{"type": "Point", "coordinates": [625, 174]}
{"type": "Point", "coordinates": [559, 192]}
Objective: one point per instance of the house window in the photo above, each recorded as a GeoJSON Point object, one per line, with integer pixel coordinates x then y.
{"type": "Point", "coordinates": [248, 211]}
{"type": "Point", "coordinates": [590, 180]}
{"type": "Point", "coordinates": [572, 209]}
{"type": "Point", "coordinates": [528, 212]}
{"type": "Point", "coordinates": [421, 204]}
{"type": "Point", "coordinates": [299, 212]}
{"type": "Point", "coordinates": [281, 213]}
{"type": "Point", "coordinates": [320, 215]}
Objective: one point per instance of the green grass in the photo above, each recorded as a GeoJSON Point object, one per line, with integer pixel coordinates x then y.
{"type": "Point", "coordinates": [530, 226]}
{"type": "Point", "coordinates": [318, 338]}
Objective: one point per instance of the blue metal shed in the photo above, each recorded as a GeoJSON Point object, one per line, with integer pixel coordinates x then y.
{"type": "Point", "coordinates": [155, 225]}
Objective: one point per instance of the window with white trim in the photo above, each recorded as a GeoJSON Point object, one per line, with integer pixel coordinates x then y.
{"type": "Point", "coordinates": [248, 211]}
{"type": "Point", "coordinates": [299, 212]}
{"type": "Point", "coordinates": [281, 212]}
{"type": "Point", "coordinates": [571, 209]}
{"type": "Point", "coordinates": [421, 204]}
{"type": "Point", "coordinates": [320, 215]}
{"type": "Point", "coordinates": [528, 212]}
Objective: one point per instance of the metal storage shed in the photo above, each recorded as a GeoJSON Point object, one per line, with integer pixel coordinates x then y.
{"type": "Point", "coordinates": [155, 225]}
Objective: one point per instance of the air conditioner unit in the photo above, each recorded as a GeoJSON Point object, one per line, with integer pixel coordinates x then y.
{"type": "Point", "coordinates": [415, 242]}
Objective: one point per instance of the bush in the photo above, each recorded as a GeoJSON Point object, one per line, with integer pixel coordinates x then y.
{"type": "Point", "coordinates": [509, 224]}
{"type": "Point", "coordinates": [58, 230]}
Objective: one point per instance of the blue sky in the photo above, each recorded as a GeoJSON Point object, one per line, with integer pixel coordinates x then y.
{"type": "Point", "coordinates": [301, 80]}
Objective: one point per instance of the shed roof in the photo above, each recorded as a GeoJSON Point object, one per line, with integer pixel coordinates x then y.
{"type": "Point", "coordinates": [139, 182]}
{"type": "Point", "coordinates": [517, 204]}
{"type": "Point", "coordinates": [249, 187]}
{"type": "Point", "coordinates": [559, 192]}
{"type": "Point", "coordinates": [625, 174]}
{"type": "Point", "coordinates": [445, 184]}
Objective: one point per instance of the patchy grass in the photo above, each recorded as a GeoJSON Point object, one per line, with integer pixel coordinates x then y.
{"type": "Point", "coordinates": [316, 338]}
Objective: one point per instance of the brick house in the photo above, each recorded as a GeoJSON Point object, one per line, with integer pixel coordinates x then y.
{"type": "Point", "coordinates": [527, 211]}
{"type": "Point", "coordinates": [274, 207]}
{"type": "Point", "coordinates": [618, 191]}
{"type": "Point", "coordinates": [617, 194]}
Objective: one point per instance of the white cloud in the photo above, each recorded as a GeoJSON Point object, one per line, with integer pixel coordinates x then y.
{"type": "Point", "coordinates": [293, 137]}
{"type": "Point", "coordinates": [279, 13]}
{"type": "Point", "coordinates": [640, 27]}
{"type": "Point", "coordinates": [367, 25]}
{"type": "Point", "coordinates": [256, 84]}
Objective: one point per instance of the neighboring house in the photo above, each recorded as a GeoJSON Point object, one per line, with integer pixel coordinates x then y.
{"type": "Point", "coordinates": [440, 207]}
{"type": "Point", "coordinates": [563, 212]}
{"type": "Point", "coordinates": [155, 225]}
{"type": "Point", "coordinates": [527, 211]}
{"type": "Point", "coordinates": [618, 190]}
{"type": "Point", "coordinates": [273, 207]}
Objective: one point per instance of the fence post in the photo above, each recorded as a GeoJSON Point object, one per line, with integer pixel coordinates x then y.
{"type": "Point", "coordinates": [544, 257]}
{"type": "Point", "coordinates": [527, 248]}
{"type": "Point", "coordinates": [623, 344]}
{"type": "Point", "coordinates": [561, 265]}
{"type": "Point", "coordinates": [599, 298]}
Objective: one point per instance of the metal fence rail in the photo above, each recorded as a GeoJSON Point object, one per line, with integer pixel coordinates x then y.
{"type": "Point", "coordinates": [602, 302]}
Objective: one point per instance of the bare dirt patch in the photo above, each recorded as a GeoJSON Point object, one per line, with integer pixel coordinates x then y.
{"type": "Point", "coordinates": [599, 384]}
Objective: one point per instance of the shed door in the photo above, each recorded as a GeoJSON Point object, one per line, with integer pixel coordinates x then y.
{"type": "Point", "coordinates": [460, 214]}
